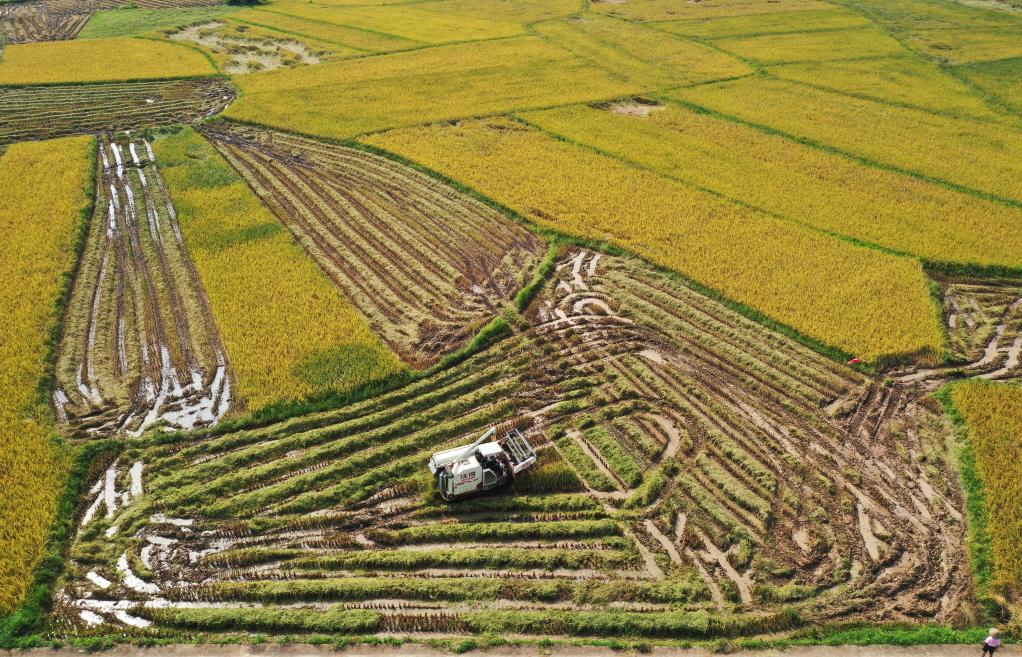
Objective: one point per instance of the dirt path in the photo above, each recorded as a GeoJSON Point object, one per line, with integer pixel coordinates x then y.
{"type": "Point", "coordinates": [529, 650]}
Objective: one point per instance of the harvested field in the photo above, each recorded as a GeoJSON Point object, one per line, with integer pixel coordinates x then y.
{"type": "Point", "coordinates": [51, 111]}
{"type": "Point", "coordinates": [698, 473]}
{"type": "Point", "coordinates": [59, 20]}
{"type": "Point", "coordinates": [140, 345]}
{"type": "Point", "coordinates": [39, 21]}
{"type": "Point", "coordinates": [426, 264]}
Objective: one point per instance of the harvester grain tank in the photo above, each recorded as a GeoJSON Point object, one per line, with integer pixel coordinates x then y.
{"type": "Point", "coordinates": [481, 466]}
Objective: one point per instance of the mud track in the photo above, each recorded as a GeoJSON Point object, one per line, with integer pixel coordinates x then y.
{"type": "Point", "coordinates": [140, 345]}
{"type": "Point", "coordinates": [426, 264]}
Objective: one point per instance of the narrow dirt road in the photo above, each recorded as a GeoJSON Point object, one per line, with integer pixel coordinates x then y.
{"type": "Point", "coordinates": [416, 650]}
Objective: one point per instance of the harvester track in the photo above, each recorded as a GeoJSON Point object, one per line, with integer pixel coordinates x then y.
{"type": "Point", "coordinates": [140, 344]}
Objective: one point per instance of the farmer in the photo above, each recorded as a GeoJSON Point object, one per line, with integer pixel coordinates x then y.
{"type": "Point", "coordinates": [992, 642]}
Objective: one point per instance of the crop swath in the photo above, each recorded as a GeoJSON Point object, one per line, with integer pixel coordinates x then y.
{"type": "Point", "coordinates": [426, 264]}
{"type": "Point", "coordinates": [46, 112]}
{"type": "Point", "coordinates": [41, 21]}
{"type": "Point", "coordinates": [690, 460]}
{"type": "Point", "coordinates": [140, 344]}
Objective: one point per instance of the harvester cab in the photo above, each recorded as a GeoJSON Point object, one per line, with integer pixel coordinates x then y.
{"type": "Point", "coordinates": [481, 466]}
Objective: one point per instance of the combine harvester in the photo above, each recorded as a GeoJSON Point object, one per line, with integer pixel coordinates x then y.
{"type": "Point", "coordinates": [481, 466]}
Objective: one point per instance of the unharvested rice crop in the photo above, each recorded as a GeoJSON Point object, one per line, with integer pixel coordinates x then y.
{"type": "Point", "coordinates": [1002, 80]}
{"type": "Point", "coordinates": [810, 281]}
{"type": "Point", "coordinates": [800, 183]}
{"type": "Point", "coordinates": [993, 414]}
{"type": "Point", "coordinates": [670, 10]}
{"type": "Point", "coordinates": [918, 141]}
{"type": "Point", "coordinates": [813, 46]}
{"type": "Point", "coordinates": [717, 437]}
{"type": "Point", "coordinates": [347, 98]}
{"type": "Point", "coordinates": [43, 188]}
{"type": "Point", "coordinates": [140, 345]}
{"type": "Point", "coordinates": [517, 11]}
{"type": "Point", "coordinates": [902, 80]}
{"type": "Point", "coordinates": [280, 17]}
{"type": "Point", "coordinates": [410, 22]}
{"type": "Point", "coordinates": [639, 54]}
{"type": "Point", "coordinates": [43, 112]}
{"type": "Point", "coordinates": [96, 60]}
{"type": "Point", "coordinates": [288, 332]}
{"type": "Point", "coordinates": [756, 24]}
{"type": "Point", "coordinates": [427, 265]}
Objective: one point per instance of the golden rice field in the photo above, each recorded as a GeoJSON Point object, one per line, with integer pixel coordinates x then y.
{"type": "Point", "coordinates": [747, 274]}
{"type": "Point", "coordinates": [346, 98]}
{"type": "Point", "coordinates": [993, 415]}
{"type": "Point", "coordinates": [97, 60]}
{"type": "Point", "coordinates": [909, 139]}
{"type": "Point", "coordinates": [802, 184]}
{"type": "Point", "coordinates": [761, 261]}
{"type": "Point", "coordinates": [289, 332]}
{"type": "Point", "coordinates": [44, 194]}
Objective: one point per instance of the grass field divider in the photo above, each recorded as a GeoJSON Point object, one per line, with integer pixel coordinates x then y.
{"type": "Point", "coordinates": [20, 629]}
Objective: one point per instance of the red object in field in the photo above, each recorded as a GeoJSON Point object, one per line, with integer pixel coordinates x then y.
{"type": "Point", "coordinates": [855, 361]}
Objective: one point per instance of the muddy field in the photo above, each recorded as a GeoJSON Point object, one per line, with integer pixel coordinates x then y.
{"type": "Point", "coordinates": [45, 112]}
{"type": "Point", "coordinates": [140, 344]}
{"type": "Point", "coordinates": [699, 473]}
{"type": "Point", "coordinates": [426, 264]}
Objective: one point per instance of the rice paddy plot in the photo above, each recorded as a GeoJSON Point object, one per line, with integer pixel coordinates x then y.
{"type": "Point", "coordinates": [833, 193]}
{"type": "Point", "coordinates": [1002, 80]}
{"type": "Point", "coordinates": [900, 80]}
{"type": "Point", "coordinates": [757, 24]}
{"type": "Point", "coordinates": [130, 21]}
{"type": "Point", "coordinates": [743, 469]}
{"type": "Point", "coordinates": [99, 60]}
{"type": "Point", "coordinates": [304, 21]}
{"type": "Point", "coordinates": [921, 142]}
{"type": "Point", "coordinates": [640, 55]}
{"type": "Point", "coordinates": [351, 97]}
{"type": "Point", "coordinates": [42, 112]}
{"type": "Point", "coordinates": [289, 330]}
{"type": "Point", "coordinates": [670, 10]}
{"type": "Point", "coordinates": [140, 345]}
{"type": "Point", "coordinates": [828, 45]}
{"type": "Point", "coordinates": [445, 264]}
{"type": "Point", "coordinates": [44, 187]}
{"type": "Point", "coordinates": [798, 276]}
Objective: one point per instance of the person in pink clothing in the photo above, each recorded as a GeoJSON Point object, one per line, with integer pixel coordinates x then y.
{"type": "Point", "coordinates": [992, 642]}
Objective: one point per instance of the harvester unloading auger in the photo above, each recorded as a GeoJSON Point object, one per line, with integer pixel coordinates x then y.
{"type": "Point", "coordinates": [481, 466]}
